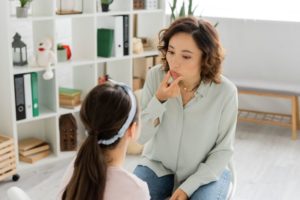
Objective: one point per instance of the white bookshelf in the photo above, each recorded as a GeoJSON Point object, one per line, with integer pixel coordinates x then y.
{"type": "Point", "coordinates": [81, 72]}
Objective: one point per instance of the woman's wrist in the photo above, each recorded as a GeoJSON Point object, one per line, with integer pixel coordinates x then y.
{"type": "Point", "coordinates": [160, 99]}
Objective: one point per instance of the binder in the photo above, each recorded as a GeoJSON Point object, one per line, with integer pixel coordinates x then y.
{"type": "Point", "coordinates": [126, 35]}
{"type": "Point", "coordinates": [118, 38]}
{"type": "Point", "coordinates": [28, 96]}
{"type": "Point", "coordinates": [19, 97]}
{"type": "Point", "coordinates": [105, 42]}
{"type": "Point", "coordinates": [35, 94]}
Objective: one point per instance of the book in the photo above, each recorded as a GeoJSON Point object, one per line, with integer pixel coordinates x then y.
{"type": "Point", "coordinates": [126, 35]}
{"type": "Point", "coordinates": [19, 97]}
{"type": "Point", "coordinates": [33, 149]}
{"type": "Point", "coordinates": [28, 96]}
{"type": "Point", "coordinates": [34, 157]}
{"type": "Point", "coordinates": [29, 143]}
{"type": "Point", "coordinates": [37, 149]}
{"type": "Point", "coordinates": [70, 102]}
{"type": "Point", "coordinates": [69, 98]}
{"type": "Point", "coordinates": [70, 92]}
{"type": "Point", "coordinates": [34, 94]}
{"type": "Point", "coordinates": [105, 39]}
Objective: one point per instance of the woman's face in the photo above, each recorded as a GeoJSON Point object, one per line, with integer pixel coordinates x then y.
{"type": "Point", "coordinates": [184, 57]}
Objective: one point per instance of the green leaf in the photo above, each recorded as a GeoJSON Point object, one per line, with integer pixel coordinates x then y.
{"type": "Point", "coordinates": [23, 3]}
{"type": "Point", "coordinates": [182, 10]}
{"type": "Point", "coordinates": [173, 9]}
{"type": "Point", "coordinates": [106, 1]}
{"type": "Point", "coordinates": [190, 12]}
{"type": "Point", "coordinates": [194, 9]}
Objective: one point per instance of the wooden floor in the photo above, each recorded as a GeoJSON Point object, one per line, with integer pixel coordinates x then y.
{"type": "Point", "coordinates": [267, 164]}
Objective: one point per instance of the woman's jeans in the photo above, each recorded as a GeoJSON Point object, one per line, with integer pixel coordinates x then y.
{"type": "Point", "coordinates": [161, 187]}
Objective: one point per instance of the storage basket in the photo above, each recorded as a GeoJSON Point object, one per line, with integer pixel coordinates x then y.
{"type": "Point", "coordinates": [7, 158]}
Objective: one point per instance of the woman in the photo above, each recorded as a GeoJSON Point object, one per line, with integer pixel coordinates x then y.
{"type": "Point", "coordinates": [110, 115]}
{"type": "Point", "coordinates": [189, 114]}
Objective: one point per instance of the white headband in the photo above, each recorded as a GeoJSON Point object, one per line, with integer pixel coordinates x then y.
{"type": "Point", "coordinates": [131, 115]}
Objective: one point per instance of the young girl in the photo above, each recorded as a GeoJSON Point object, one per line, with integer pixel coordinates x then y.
{"type": "Point", "coordinates": [109, 114]}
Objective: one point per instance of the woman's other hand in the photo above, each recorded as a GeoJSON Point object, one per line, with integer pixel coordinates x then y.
{"type": "Point", "coordinates": [179, 194]}
{"type": "Point", "coordinates": [168, 90]}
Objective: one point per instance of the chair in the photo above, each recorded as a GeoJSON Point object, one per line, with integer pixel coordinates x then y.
{"type": "Point", "coordinates": [232, 186]}
{"type": "Point", "coordinates": [15, 193]}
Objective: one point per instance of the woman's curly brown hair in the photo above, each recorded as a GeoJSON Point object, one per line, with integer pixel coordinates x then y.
{"type": "Point", "coordinates": [207, 40]}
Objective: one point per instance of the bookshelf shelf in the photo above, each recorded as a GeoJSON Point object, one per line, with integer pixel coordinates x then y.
{"type": "Point", "coordinates": [31, 18]}
{"type": "Point", "coordinates": [113, 13]}
{"type": "Point", "coordinates": [63, 111]}
{"type": "Point", "coordinates": [27, 69]}
{"type": "Point", "coordinates": [147, 53]}
{"type": "Point", "coordinates": [144, 11]}
{"type": "Point", "coordinates": [74, 63]}
{"type": "Point", "coordinates": [81, 72]}
{"type": "Point", "coordinates": [103, 60]}
{"type": "Point", "coordinates": [44, 114]}
{"type": "Point", "coordinates": [73, 16]}
{"type": "Point", "coordinates": [52, 158]}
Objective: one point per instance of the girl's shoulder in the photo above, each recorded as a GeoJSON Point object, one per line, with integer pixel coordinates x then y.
{"type": "Point", "coordinates": [127, 185]}
{"type": "Point", "coordinates": [124, 174]}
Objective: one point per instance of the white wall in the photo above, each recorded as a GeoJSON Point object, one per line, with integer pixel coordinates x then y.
{"type": "Point", "coordinates": [256, 49]}
{"type": "Point", "coordinates": [264, 50]}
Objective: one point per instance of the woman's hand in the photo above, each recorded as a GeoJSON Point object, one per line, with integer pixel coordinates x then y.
{"type": "Point", "coordinates": [179, 194]}
{"type": "Point", "coordinates": [166, 90]}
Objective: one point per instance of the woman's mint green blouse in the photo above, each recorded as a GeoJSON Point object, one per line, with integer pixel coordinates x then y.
{"type": "Point", "coordinates": [194, 142]}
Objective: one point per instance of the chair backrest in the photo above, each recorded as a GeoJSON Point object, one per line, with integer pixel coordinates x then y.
{"type": "Point", "coordinates": [15, 193]}
{"type": "Point", "coordinates": [233, 181]}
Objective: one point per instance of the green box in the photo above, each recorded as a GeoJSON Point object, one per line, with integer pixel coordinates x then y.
{"type": "Point", "coordinates": [105, 41]}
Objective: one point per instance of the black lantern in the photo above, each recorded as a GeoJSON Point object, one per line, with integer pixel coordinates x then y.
{"type": "Point", "coordinates": [69, 7]}
{"type": "Point", "coordinates": [19, 51]}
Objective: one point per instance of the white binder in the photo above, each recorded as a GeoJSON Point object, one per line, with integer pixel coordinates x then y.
{"type": "Point", "coordinates": [118, 36]}
{"type": "Point", "coordinates": [28, 95]}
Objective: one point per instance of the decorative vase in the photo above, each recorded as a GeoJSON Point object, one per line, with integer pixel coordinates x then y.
{"type": "Point", "coordinates": [22, 12]}
{"type": "Point", "coordinates": [105, 7]}
{"type": "Point", "coordinates": [61, 55]}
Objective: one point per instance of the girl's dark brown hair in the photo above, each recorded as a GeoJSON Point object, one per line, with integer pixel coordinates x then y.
{"type": "Point", "coordinates": [103, 112]}
{"type": "Point", "coordinates": [207, 40]}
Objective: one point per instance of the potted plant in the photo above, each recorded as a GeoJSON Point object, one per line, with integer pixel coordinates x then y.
{"type": "Point", "coordinates": [182, 12]}
{"type": "Point", "coordinates": [105, 5]}
{"type": "Point", "coordinates": [22, 10]}
{"type": "Point", "coordinates": [61, 53]}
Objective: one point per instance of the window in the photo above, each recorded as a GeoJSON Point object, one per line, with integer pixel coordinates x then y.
{"type": "Point", "coordinates": [282, 10]}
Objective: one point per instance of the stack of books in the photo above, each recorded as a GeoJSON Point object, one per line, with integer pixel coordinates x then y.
{"type": "Point", "coordinates": [33, 149]}
{"type": "Point", "coordinates": [69, 97]}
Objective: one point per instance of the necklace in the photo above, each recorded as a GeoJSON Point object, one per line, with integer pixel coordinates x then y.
{"type": "Point", "coordinates": [185, 89]}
